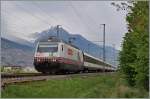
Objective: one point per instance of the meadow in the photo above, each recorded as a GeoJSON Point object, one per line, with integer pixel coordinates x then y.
{"type": "Point", "coordinates": [101, 86]}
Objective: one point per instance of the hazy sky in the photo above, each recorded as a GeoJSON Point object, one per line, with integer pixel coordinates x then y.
{"type": "Point", "coordinates": [23, 18]}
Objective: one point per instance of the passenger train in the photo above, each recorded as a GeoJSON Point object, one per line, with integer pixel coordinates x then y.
{"type": "Point", "coordinates": [57, 56]}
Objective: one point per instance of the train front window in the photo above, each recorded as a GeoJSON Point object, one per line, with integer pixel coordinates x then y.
{"type": "Point", "coordinates": [47, 48]}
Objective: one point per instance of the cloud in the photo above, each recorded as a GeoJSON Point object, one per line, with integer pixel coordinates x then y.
{"type": "Point", "coordinates": [22, 18]}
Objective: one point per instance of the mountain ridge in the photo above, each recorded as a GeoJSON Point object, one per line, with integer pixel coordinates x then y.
{"type": "Point", "coordinates": [81, 42]}
{"type": "Point", "coordinates": [27, 49]}
{"type": "Point", "coordinates": [15, 54]}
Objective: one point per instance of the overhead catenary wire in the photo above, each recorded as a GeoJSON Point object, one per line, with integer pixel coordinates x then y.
{"type": "Point", "coordinates": [91, 19]}
{"type": "Point", "coordinates": [33, 15]}
{"type": "Point", "coordinates": [14, 26]}
{"type": "Point", "coordinates": [20, 19]}
{"type": "Point", "coordinates": [48, 15]}
{"type": "Point", "coordinates": [21, 23]}
{"type": "Point", "coordinates": [80, 18]}
{"type": "Point", "coordinates": [15, 31]}
{"type": "Point", "coordinates": [43, 11]}
{"type": "Point", "coordinates": [51, 16]}
{"type": "Point", "coordinates": [37, 17]}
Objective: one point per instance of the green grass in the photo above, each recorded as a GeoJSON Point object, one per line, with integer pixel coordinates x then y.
{"type": "Point", "coordinates": [92, 87]}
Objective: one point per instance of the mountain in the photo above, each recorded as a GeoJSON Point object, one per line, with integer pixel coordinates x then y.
{"type": "Point", "coordinates": [19, 40]}
{"type": "Point", "coordinates": [16, 54]}
{"type": "Point", "coordinates": [79, 41]}
{"type": "Point", "coordinates": [16, 51]}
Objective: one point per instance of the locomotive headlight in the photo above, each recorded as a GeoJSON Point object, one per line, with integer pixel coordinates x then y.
{"type": "Point", "coordinates": [38, 60]}
{"type": "Point", "coordinates": [54, 60]}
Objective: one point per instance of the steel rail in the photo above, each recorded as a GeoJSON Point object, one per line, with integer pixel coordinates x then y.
{"type": "Point", "coordinates": [22, 79]}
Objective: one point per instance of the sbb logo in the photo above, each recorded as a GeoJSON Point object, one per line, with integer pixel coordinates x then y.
{"type": "Point", "coordinates": [70, 52]}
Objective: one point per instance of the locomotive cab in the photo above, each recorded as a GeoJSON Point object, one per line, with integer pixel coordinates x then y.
{"type": "Point", "coordinates": [57, 56]}
{"type": "Point", "coordinates": [45, 50]}
{"type": "Point", "coordinates": [46, 56]}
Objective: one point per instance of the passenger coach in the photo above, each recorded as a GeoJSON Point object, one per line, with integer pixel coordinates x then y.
{"type": "Point", "coordinates": [95, 64]}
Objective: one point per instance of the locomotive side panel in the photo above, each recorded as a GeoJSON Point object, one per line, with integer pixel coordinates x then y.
{"type": "Point", "coordinates": [71, 56]}
{"type": "Point", "coordinates": [71, 53]}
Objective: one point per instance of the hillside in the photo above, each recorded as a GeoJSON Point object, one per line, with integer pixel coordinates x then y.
{"type": "Point", "coordinates": [14, 53]}
{"type": "Point", "coordinates": [80, 42]}
{"type": "Point", "coordinates": [23, 51]}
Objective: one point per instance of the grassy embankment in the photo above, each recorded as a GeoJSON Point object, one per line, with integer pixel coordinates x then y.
{"type": "Point", "coordinates": [99, 86]}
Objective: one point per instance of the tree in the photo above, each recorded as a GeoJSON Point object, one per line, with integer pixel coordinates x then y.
{"type": "Point", "coordinates": [134, 56]}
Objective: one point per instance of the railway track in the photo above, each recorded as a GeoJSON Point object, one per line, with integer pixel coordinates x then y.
{"type": "Point", "coordinates": [13, 75]}
{"type": "Point", "coordinates": [7, 79]}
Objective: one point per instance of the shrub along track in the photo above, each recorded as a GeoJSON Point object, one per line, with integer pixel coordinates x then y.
{"type": "Point", "coordinates": [7, 79]}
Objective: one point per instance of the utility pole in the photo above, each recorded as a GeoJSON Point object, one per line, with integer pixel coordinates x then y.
{"type": "Point", "coordinates": [58, 31]}
{"type": "Point", "coordinates": [114, 54]}
{"type": "Point", "coordinates": [103, 42]}
{"type": "Point", "coordinates": [103, 46]}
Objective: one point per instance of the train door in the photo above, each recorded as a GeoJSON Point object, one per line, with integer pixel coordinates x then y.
{"type": "Point", "coordinates": [61, 50]}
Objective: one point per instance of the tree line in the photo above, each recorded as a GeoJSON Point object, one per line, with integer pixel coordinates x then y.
{"type": "Point", "coordinates": [134, 56]}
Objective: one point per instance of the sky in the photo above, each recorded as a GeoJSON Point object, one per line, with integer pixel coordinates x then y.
{"type": "Point", "coordinates": [23, 18]}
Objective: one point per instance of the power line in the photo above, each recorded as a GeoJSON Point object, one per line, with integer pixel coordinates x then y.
{"type": "Point", "coordinates": [50, 16]}
{"type": "Point", "coordinates": [78, 15]}
{"type": "Point", "coordinates": [23, 20]}
{"type": "Point", "coordinates": [33, 15]}
{"type": "Point", "coordinates": [27, 11]}
{"type": "Point", "coordinates": [14, 31]}
{"type": "Point", "coordinates": [43, 11]}
{"type": "Point", "coordinates": [15, 26]}
{"type": "Point", "coordinates": [90, 18]}
{"type": "Point", "coordinates": [19, 18]}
